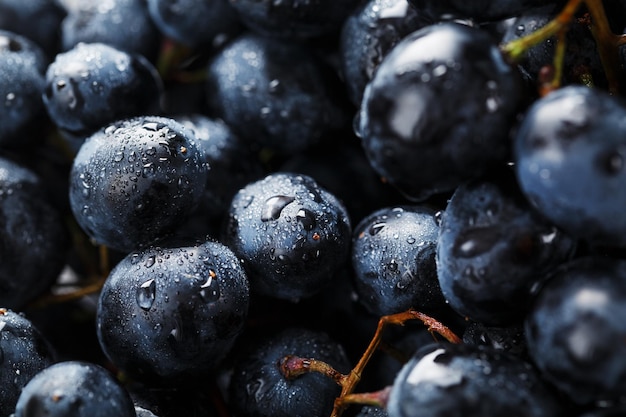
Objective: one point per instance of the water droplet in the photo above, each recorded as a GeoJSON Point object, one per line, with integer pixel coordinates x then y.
{"type": "Point", "coordinates": [410, 240]}
{"type": "Point", "coordinates": [9, 99]}
{"type": "Point", "coordinates": [150, 261]}
{"type": "Point", "coordinates": [146, 294]}
{"type": "Point", "coordinates": [274, 86]}
{"type": "Point", "coordinates": [440, 70]}
{"type": "Point", "coordinates": [152, 126]}
{"type": "Point", "coordinates": [376, 228]}
{"type": "Point", "coordinates": [119, 156]}
{"type": "Point", "coordinates": [405, 280]}
{"type": "Point", "coordinates": [274, 206]}
{"type": "Point", "coordinates": [258, 388]}
{"type": "Point", "coordinates": [210, 290]}
{"type": "Point", "coordinates": [306, 218]}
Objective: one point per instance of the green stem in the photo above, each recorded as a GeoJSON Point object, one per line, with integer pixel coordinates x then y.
{"type": "Point", "coordinates": [517, 48]}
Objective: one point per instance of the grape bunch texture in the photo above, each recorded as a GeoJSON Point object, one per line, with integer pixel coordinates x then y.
{"type": "Point", "coordinates": [295, 208]}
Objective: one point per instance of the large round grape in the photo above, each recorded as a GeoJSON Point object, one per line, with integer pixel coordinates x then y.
{"type": "Point", "coordinates": [438, 110]}
{"type": "Point", "coordinates": [74, 389]}
{"type": "Point", "coordinates": [135, 180]}
{"type": "Point", "coordinates": [292, 234]}
{"type": "Point", "coordinates": [443, 380]}
{"type": "Point", "coordinates": [172, 312]}
{"type": "Point", "coordinates": [570, 154]}
{"type": "Point", "coordinates": [576, 334]}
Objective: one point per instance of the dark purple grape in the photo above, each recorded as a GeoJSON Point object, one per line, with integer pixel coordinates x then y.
{"type": "Point", "coordinates": [34, 241]}
{"type": "Point", "coordinates": [438, 110]}
{"type": "Point", "coordinates": [24, 352]}
{"type": "Point", "coordinates": [575, 331]}
{"type": "Point", "coordinates": [74, 389]}
{"type": "Point", "coordinates": [292, 235]}
{"type": "Point", "coordinates": [170, 313]}
{"type": "Point", "coordinates": [195, 23]}
{"type": "Point", "coordinates": [393, 257]}
{"type": "Point", "coordinates": [294, 19]}
{"type": "Point", "coordinates": [259, 389]}
{"type": "Point", "coordinates": [22, 67]}
{"type": "Point", "coordinates": [274, 94]}
{"type": "Point", "coordinates": [122, 24]}
{"type": "Point", "coordinates": [569, 154]}
{"type": "Point", "coordinates": [479, 10]}
{"type": "Point", "coordinates": [136, 180]}
{"type": "Point", "coordinates": [37, 20]}
{"type": "Point", "coordinates": [94, 84]}
{"type": "Point", "coordinates": [470, 381]}
{"type": "Point", "coordinates": [368, 34]}
{"type": "Point", "coordinates": [493, 249]}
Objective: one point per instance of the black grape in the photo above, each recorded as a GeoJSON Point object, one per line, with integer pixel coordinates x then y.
{"type": "Point", "coordinates": [170, 313]}
{"type": "Point", "coordinates": [575, 333]}
{"type": "Point", "coordinates": [292, 235]}
{"type": "Point", "coordinates": [569, 161]}
{"type": "Point", "coordinates": [259, 389]}
{"type": "Point", "coordinates": [132, 180]}
{"type": "Point", "coordinates": [438, 110]}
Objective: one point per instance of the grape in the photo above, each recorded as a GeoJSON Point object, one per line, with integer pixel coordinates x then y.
{"type": "Point", "coordinates": [24, 352]}
{"type": "Point", "coordinates": [74, 389]}
{"type": "Point", "coordinates": [254, 86]}
{"type": "Point", "coordinates": [18, 16]}
{"type": "Point", "coordinates": [493, 249]}
{"type": "Point", "coordinates": [393, 257]}
{"type": "Point", "coordinates": [94, 84]}
{"type": "Point", "coordinates": [291, 234]}
{"type": "Point", "coordinates": [438, 109]}
{"type": "Point", "coordinates": [30, 225]}
{"type": "Point", "coordinates": [569, 159]}
{"type": "Point", "coordinates": [122, 24]}
{"type": "Point", "coordinates": [132, 180]}
{"type": "Point", "coordinates": [172, 312]}
{"type": "Point", "coordinates": [22, 67]}
{"type": "Point", "coordinates": [368, 34]}
{"type": "Point", "coordinates": [293, 19]}
{"type": "Point", "coordinates": [574, 333]}
{"type": "Point", "coordinates": [194, 22]}
{"type": "Point", "coordinates": [258, 388]}
{"type": "Point", "coordinates": [472, 381]}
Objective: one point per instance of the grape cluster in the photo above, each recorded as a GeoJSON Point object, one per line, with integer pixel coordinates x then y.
{"type": "Point", "coordinates": [301, 208]}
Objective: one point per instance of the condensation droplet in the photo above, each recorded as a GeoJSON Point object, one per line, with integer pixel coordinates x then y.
{"type": "Point", "coordinates": [273, 206]}
{"type": "Point", "coordinates": [146, 294]}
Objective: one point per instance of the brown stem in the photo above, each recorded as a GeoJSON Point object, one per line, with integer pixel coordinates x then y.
{"type": "Point", "coordinates": [376, 398]}
{"type": "Point", "coordinates": [293, 366]}
{"type": "Point", "coordinates": [607, 43]}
